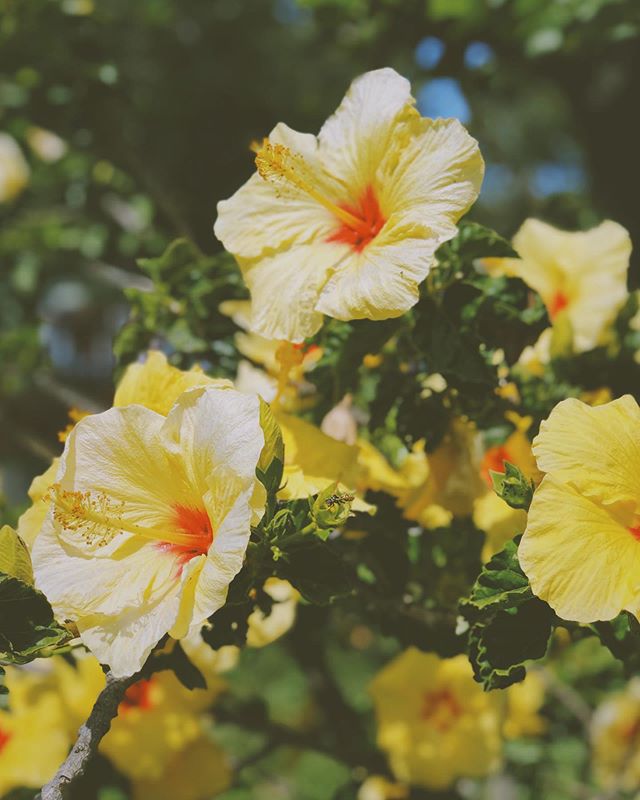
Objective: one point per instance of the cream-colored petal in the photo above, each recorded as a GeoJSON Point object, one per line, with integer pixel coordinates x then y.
{"type": "Point", "coordinates": [210, 428]}
{"type": "Point", "coordinates": [285, 288]}
{"type": "Point", "coordinates": [595, 448]}
{"type": "Point", "coordinates": [265, 215]}
{"type": "Point", "coordinates": [78, 583]}
{"type": "Point", "coordinates": [578, 556]}
{"type": "Point", "coordinates": [232, 529]}
{"type": "Point", "coordinates": [124, 642]}
{"type": "Point", "coordinates": [435, 177]}
{"type": "Point", "coordinates": [122, 455]}
{"type": "Point", "coordinates": [597, 262]}
{"type": "Point", "coordinates": [538, 245]}
{"type": "Point", "coordinates": [382, 280]}
{"type": "Point", "coordinates": [354, 139]}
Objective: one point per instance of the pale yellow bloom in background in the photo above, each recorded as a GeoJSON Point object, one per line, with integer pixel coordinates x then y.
{"type": "Point", "coordinates": [454, 480]}
{"type": "Point", "coordinates": [524, 702]}
{"type": "Point", "coordinates": [34, 739]}
{"type": "Point", "coordinates": [378, 788]}
{"type": "Point", "coordinates": [14, 170]}
{"type": "Point", "coordinates": [581, 547]}
{"type": "Point", "coordinates": [314, 461]}
{"type": "Point", "coordinates": [615, 740]}
{"type": "Point", "coordinates": [150, 520]}
{"type": "Point", "coordinates": [199, 771]}
{"type": "Point", "coordinates": [156, 384]}
{"type": "Point", "coordinates": [159, 739]}
{"type": "Point", "coordinates": [347, 223]}
{"type": "Point", "coordinates": [434, 721]}
{"type": "Point", "coordinates": [379, 476]}
{"type": "Point", "coordinates": [48, 146]}
{"type": "Point", "coordinates": [581, 276]}
{"type": "Point", "coordinates": [266, 629]}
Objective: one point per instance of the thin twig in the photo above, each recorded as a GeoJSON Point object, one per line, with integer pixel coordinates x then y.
{"type": "Point", "coordinates": [89, 737]}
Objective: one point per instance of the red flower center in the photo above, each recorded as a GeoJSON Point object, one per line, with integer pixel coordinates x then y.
{"type": "Point", "coordinates": [440, 709]}
{"type": "Point", "coordinates": [137, 696]}
{"type": "Point", "coordinates": [494, 460]}
{"type": "Point", "coordinates": [558, 302]}
{"type": "Point", "coordinates": [5, 736]}
{"type": "Point", "coordinates": [635, 532]}
{"type": "Point", "coordinates": [196, 523]}
{"type": "Point", "coordinates": [369, 222]}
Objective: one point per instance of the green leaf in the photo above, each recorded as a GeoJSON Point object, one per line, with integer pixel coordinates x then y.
{"type": "Point", "coordinates": [500, 585]}
{"type": "Point", "coordinates": [508, 625]}
{"type": "Point", "coordinates": [513, 486]}
{"type": "Point", "coordinates": [27, 626]}
{"type": "Point", "coordinates": [315, 570]}
{"type": "Point", "coordinates": [622, 637]}
{"type": "Point", "coordinates": [186, 672]}
{"type": "Point", "coordinates": [14, 556]}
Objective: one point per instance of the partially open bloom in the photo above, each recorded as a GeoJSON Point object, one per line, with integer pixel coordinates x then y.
{"type": "Point", "coordinates": [615, 740]}
{"type": "Point", "coordinates": [434, 721]}
{"type": "Point", "coordinates": [14, 170]}
{"type": "Point", "coordinates": [150, 519]}
{"type": "Point", "coordinates": [581, 547]}
{"type": "Point", "coordinates": [347, 223]}
{"type": "Point", "coordinates": [581, 276]}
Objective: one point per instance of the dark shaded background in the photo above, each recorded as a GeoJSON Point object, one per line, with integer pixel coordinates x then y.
{"type": "Point", "coordinates": [158, 101]}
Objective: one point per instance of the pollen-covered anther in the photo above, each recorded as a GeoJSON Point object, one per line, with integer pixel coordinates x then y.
{"type": "Point", "coordinates": [275, 161]}
{"type": "Point", "coordinates": [94, 515]}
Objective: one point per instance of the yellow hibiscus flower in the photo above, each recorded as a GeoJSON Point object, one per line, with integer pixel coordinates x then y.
{"type": "Point", "coordinates": [347, 223]}
{"type": "Point", "coordinates": [150, 519]}
{"type": "Point", "coordinates": [200, 771]}
{"type": "Point", "coordinates": [32, 520]}
{"type": "Point", "coordinates": [33, 735]}
{"type": "Point", "coordinates": [14, 170]}
{"type": "Point", "coordinates": [581, 546]}
{"type": "Point", "coordinates": [434, 721]}
{"type": "Point", "coordinates": [156, 384]}
{"type": "Point", "coordinates": [615, 740]}
{"type": "Point", "coordinates": [581, 276]}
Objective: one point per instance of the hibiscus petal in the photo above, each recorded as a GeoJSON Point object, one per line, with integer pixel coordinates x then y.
{"type": "Point", "coordinates": [435, 177]}
{"type": "Point", "coordinates": [355, 138]}
{"type": "Point", "coordinates": [578, 556]}
{"type": "Point", "coordinates": [263, 216]}
{"type": "Point", "coordinates": [382, 280]}
{"type": "Point", "coordinates": [595, 448]}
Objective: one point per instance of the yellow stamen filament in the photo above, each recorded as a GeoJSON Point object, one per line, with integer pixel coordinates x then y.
{"type": "Point", "coordinates": [99, 519]}
{"type": "Point", "coordinates": [275, 161]}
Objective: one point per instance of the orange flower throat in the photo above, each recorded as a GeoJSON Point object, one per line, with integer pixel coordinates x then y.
{"type": "Point", "coordinates": [360, 222]}
{"type": "Point", "coordinates": [370, 222]}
